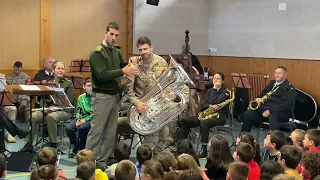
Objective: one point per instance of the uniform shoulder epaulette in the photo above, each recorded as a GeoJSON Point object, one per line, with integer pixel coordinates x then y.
{"type": "Point", "coordinates": [101, 50]}
{"type": "Point", "coordinates": [98, 48]}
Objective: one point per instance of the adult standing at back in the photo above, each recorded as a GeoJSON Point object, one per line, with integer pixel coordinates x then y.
{"type": "Point", "coordinates": [107, 66]}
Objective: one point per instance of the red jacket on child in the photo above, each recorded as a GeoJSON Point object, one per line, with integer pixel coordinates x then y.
{"type": "Point", "coordinates": [254, 172]}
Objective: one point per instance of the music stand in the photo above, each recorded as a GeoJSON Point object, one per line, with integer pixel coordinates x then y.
{"type": "Point", "coordinates": [77, 80]}
{"type": "Point", "coordinates": [43, 140]}
{"type": "Point", "coordinates": [22, 161]}
{"type": "Point", "coordinates": [80, 66]}
{"type": "Point", "coordinates": [61, 100]}
{"type": "Point", "coordinates": [240, 80]}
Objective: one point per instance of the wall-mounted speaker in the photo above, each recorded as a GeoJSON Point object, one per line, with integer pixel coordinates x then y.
{"type": "Point", "coordinates": [153, 2]}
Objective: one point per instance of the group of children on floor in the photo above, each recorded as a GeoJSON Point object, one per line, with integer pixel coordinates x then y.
{"type": "Point", "coordinates": [285, 158]}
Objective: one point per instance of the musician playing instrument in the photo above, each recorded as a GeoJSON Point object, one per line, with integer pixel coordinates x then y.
{"type": "Point", "coordinates": [277, 108]}
{"type": "Point", "coordinates": [51, 117]}
{"type": "Point", "coordinates": [150, 68]}
{"type": "Point", "coordinates": [213, 97]}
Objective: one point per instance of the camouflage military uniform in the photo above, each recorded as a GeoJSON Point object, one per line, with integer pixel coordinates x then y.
{"type": "Point", "coordinates": [136, 86]}
{"type": "Point", "coordinates": [53, 118]}
{"type": "Point", "coordinates": [22, 100]}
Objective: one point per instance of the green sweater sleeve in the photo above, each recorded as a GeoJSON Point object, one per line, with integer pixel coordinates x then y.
{"type": "Point", "coordinates": [99, 69]}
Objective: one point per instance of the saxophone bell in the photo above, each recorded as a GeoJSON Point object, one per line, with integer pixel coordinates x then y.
{"type": "Point", "coordinates": [254, 105]}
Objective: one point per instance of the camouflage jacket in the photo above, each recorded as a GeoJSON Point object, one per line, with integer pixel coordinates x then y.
{"type": "Point", "coordinates": [22, 78]}
{"type": "Point", "coordinates": [137, 85]}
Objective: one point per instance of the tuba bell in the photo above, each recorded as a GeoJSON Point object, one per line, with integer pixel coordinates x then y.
{"type": "Point", "coordinates": [166, 100]}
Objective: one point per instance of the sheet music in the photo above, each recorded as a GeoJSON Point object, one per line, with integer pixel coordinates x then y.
{"type": "Point", "coordinates": [60, 98]}
{"type": "Point", "coordinates": [2, 81]}
{"type": "Point", "coordinates": [30, 87]}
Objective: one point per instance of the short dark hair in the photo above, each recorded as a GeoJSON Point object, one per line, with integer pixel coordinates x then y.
{"type": "Point", "coordinates": [47, 155]}
{"type": "Point", "coordinates": [112, 25]}
{"type": "Point", "coordinates": [125, 170]}
{"type": "Point", "coordinates": [87, 80]}
{"type": "Point", "coordinates": [144, 40]}
{"type": "Point", "coordinates": [221, 74]}
{"type": "Point", "coordinates": [144, 153]}
{"type": "Point", "coordinates": [86, 170]}
{"type": "Point", "coordinates": [17, 64]}
{"type": "Point", "coordinates": [245, 151]}
{"type": "Point", "coordinates": [3, 166]}
{"type": "Point", "coordinates": [238, 170]}
{"type": "Point", "coordinates": [277, 137]}
{"type": "Point", "coordinates": [291, 154]}
{"type": "Point", "coordinates": [122, 151]}
{"type": "Point", "coordinates": [282, 67]}
{"type": "Point", "coordinates": [314, 135]}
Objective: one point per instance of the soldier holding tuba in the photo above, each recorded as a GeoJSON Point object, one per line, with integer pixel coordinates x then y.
{"type": "Point", "coordinates": [213, 97]}
{"type": "Point", "coordinates": [274, 105]}
{"type": "Point", "coordinates": [150, 68]}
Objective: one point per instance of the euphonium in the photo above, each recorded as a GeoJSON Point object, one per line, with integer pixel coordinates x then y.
{"type": "Point", "coordinates": [254, 105]}
{"type": "Point", "coordinates": [166, 100]}
{"type": "Point", "coordinates": [213, 113]}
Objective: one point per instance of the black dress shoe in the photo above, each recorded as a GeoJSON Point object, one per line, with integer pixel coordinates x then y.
{"type": "Point", "coordinates": [27, 148]}
{"type": "Point", "coordinates": [22, 133]}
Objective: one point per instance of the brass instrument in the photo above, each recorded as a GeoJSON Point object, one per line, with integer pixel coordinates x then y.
{"type": "Point", "coordinates": [161, 100]}
{"type": "Point", "coordinates": [213, 113]}
{"type": "Point", "coordinates": [254, 105]}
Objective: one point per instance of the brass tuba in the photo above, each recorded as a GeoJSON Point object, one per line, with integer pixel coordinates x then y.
{"type": "Point", "coordinates": [213, 113]}
{"type": "Point", "coordinates": [166, 100]}
{"type": "Point", "coordinates": [254, 105]}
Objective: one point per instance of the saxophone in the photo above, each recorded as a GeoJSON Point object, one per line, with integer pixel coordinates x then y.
{"type": "Point", "coordinates": [254, 105]}
{"type": "Point", "coordinates": [213, 113]}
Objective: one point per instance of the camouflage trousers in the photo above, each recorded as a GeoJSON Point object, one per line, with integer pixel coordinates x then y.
{"type": "Point", "coordinates": [158, 140]}
{"type": "Point", "coordinates": [12, 113]}
{"type": "Point", "coordinates": [24, 105]}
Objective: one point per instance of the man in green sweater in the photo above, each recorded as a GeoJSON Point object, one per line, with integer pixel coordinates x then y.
{"type": "Point", "coordinates": [82, 121]}
{"type": "Point", "coordinates": [107, 66]}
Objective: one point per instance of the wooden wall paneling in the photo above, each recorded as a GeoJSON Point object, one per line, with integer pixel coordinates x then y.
{"type": "Point", "coordinates": [78, 26]}
{"type": "Point", "coordinates": [130, 27]}
{"type": "Point", "coordinates": [303, 74]}
{"type": "Point", "coordinates": [19, 33]}
{"type": "Point", "coordinates": [45, 31]}
{"type": "Point", "coordinates": [124, 30]}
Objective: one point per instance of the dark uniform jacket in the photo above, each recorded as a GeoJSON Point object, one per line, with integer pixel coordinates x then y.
{"type": "Point", "coordinates": [282, 100]}
{"type": "Point", "coordinates": [215, 97]}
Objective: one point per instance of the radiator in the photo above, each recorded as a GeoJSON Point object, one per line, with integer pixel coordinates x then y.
{"type": "Point", "coordinates": [258, 82]}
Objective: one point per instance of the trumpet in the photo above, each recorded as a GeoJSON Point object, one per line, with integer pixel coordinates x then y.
{"type": "Point", "coordinates": [254, 105]}
{"type": "Point", "coordinates": [213, 113]}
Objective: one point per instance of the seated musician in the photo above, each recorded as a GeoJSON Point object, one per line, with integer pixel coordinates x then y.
{"type": "Point", "coordinates": [47, 73]}
{"type": "Point", "coordinates": [82, 121]}
{"type": "Point", "coordinates": [277, 108]}
{"type": "Point", "coordinates": [52, 116]}
{"type": "Point", "coordinates": [21, 78]}
{"type": "Point", "coordinates": [213, 97]}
